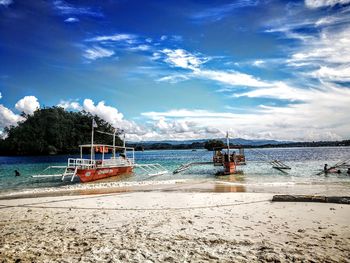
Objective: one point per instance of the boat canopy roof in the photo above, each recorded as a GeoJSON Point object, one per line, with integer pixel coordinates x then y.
{"type": "Point", "coordinates": [105, 145]}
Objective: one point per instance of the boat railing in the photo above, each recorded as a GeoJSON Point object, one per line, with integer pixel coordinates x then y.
{"type": "Point", "coordinates": [118, 161]}
{"type": "Point", "coordinates": [89, 164]}
{"type": "Point", "coordinates": [79, 162]}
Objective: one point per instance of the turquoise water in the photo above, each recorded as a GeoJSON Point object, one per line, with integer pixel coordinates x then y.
{"type": "Point", "coordinates": [305, 164]}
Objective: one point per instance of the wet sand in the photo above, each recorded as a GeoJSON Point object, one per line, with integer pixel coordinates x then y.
{"type": "Point", "coordinates": [175, 223]}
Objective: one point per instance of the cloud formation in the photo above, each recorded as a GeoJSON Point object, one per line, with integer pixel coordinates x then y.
{"type": "Point", "coordinates": [27, 104]}
{"type": "Point", "coordinates": [324, 3]}
{"type": "Point", "coordinates": [97, 52]}
{"type": "Point", "coordinates": [115, 37]}
{"type": "Point", "coordinates": [8, 118]}
{"type": "Point", "coordinates": [6, 2]}
{"type": "Point", "coordinates": [70, 105]}
{"type": "Point", "coordinates": [68, 9]}
{"type": "Point", "coordinates": [71, 20]}
{"type": "Point", "coordinates": [322, 116]}
{"type": "Point", "coordinates": [183, 59]}
{"type": "Point", "coordinates": [109, 113]}
{"type": "Point", "coordinates": [217, 13]}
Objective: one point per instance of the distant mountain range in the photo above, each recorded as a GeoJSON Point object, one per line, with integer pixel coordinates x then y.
{"type": "Point", "coordinates": [200, 144]}
{"type": "Point", "coordinates": [235, 141]}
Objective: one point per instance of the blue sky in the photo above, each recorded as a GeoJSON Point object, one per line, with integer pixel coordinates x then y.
{"type": "Point", "coordinates": [259, 69]}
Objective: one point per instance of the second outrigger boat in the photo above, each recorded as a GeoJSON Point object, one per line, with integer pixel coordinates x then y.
{"type": "Point", "coordinates": [228, 159]}
{"type": "Point", "coordinates": [92, 169]}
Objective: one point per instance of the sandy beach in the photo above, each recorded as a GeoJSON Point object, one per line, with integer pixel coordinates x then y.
{"type": "Point", "coordinates": [172, 224]}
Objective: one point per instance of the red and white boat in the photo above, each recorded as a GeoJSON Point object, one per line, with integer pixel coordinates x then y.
{"type": "Point", "coordinates": [121, 161]}
{"type": "Point", "coordinates": [95, 169]}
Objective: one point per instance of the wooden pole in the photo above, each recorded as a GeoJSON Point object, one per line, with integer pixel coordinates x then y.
{"type": "Point", "coordinates": [92, 140]}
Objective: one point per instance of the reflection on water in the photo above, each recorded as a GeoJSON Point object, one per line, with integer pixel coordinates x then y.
{"type": "Point", "coordinates": [237, 177]}
{"type": "Point", "coordinates": [223, 188]}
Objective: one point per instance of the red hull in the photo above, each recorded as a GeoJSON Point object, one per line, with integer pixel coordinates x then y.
{"type": "Point", "coordinates": [230, 168]}
{"type": "Point", "coordinates": [88, 175]}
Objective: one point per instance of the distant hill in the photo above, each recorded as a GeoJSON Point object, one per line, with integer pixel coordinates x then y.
{"type": "Point", "coordinates": [199, 144]}
{"type": "Point", "coordinates": [238, 141]}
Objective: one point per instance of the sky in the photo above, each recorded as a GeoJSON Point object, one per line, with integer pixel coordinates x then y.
{"type": "Point", "coordinates": [184, 69]}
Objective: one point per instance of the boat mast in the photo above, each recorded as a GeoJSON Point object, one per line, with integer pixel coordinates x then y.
{"type": "Point", "coordinates": [228, 144]}
{"type": "Point", "coordinates": [115, 130]}
{"type": "Point", "coordinates": [94, 124]}
{"type": "Point", "coordinates": [124, 141]}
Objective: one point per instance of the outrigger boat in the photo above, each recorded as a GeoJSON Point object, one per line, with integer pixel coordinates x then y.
{"type": "Point", "coordinates": [91, 169]}
{"type": "Point", "coordinates": [228, 159]}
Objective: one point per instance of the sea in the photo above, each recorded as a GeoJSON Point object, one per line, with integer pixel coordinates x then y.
{"type": "Point", "coordinates": [305, 165]}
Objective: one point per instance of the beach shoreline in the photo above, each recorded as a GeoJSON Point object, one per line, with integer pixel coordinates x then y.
{"type": "Point", "coordinates": [183, 185]}
{"type": "Point", "coordinates": [174, 223]}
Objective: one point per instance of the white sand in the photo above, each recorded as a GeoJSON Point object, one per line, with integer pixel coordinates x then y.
{"type": "Point", "coordinates": [163, 226]}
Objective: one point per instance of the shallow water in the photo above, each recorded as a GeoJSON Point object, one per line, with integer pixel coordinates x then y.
{"type": "Point", "coordinates": [305, 164]}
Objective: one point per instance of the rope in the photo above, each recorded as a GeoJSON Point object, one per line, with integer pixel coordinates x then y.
{"type": "Point", "coordinates": [137, 209]}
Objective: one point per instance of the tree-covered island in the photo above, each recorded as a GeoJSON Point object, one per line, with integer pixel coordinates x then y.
{"type": "Point", "coordinates": [53, 131]}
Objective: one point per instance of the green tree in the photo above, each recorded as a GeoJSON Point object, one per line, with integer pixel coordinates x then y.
{"type": "Point", "coordinates": [211, 144]}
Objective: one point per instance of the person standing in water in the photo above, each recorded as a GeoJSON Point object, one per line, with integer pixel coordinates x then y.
{"type": "Point", "coordinates": [17, 173]}
{"type": "Point", "coordinates": [325, 168]}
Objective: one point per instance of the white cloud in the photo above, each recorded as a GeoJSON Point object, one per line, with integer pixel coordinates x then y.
{"type": "Point", "coordinates": [323, 3]}
{"type": "Point", "coordinates": [0, 95]}
{"type": "Point", "coordinates": [219, 12]}
{"type": "Point", "coordinates": [324, 52]}
{"type": "Point", "coordinates": [175, 38]}
{"type": "Point", "coordinates": [332, 46]}
{"type": "Point", "coordinates": [68, 9]}
{"type": "Point", "coordinates": [27, 104]}
{"type": "Point", "coordinates": [114, 117]}
{"type": "Point", "coordinates": [337, 73]}
{"type": "Point", "coordinates": [181, 113]}
{"type": "Point", "coordinates": [258, 63]}
{"type": "Point", "coordinates": [140, 48]}
{"type": "Point", "coordinates": [113, 38]}
{"type": "Point", "coordinates": [279, 90]}
{"type": "Point", "coordinates": [233, 78]}
{"type": "Point", "coordinates": [70, 105]}
{"type": "Point", "coordinates": [156, 56]}
{"type": "Point", "coordinates": [183, 59]}
{"type": "Point", "coordinates": [179, 129]}
{"type": "Point", "coordinates": [97, 52]}
{"type": "Point", "coordinates": [326, 56]}
{"type": "Point", "coordinates": [6, 2]}
{"type": "Point", "coordinates": [8, 118]}
{"type": "Point", "coordinates": [174, 78]}
{"type": "Point", "coordinates": [71, 20]}
{"type": "Point", "coordinates": [108, 113]}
